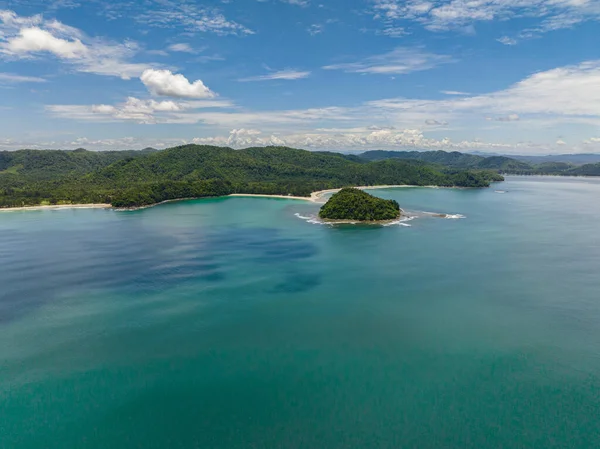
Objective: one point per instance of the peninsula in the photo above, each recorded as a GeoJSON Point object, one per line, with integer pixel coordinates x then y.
{"type": "Point", "coordinates": [129, 179]}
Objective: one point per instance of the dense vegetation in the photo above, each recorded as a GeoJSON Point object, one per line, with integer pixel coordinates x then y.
{"type": "Point", "coordinates": [520, 165]}
{"type": "Point", "coordinates": [50, 164]}
{"type": "Point", "coordinates": [571, 159]}
{"type": "Point", "coordinates": [451, 159]}
{"type": "Point", "coordinates": [354, 204]}
{"type": "Point", "coordinates": [129, 179]}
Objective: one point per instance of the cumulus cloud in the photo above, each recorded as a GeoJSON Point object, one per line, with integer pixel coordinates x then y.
{"type": "Point", "coordinates": [354, 139]}
{"type": "Point", "coordinates": [358, 139]}
{"type": "Point", "coordinates": [31, 37]}
{"type": "Point", "coordinates": [167, 84]}
{"type": "Point", "coordinates": [146, 111]}
{"type": "Point", "coordinates": [134, 109]}
{"type": "Point", "coordinates": [32, 40]}
{"type": "Point", "coordinates": [399, 61]}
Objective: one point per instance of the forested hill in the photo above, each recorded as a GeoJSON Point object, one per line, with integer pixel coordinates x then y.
{"type": "Point", "coordinates": [128, 179]}
{"type": "Point", "coordinates": [451, 159]}
{"type": "Point", "coordinates": [50, 164]}
{"type": "Point", "coordinates": [501, 164]}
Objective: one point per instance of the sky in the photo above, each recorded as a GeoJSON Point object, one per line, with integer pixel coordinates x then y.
{"type": "Point", "coordinates": [495, 76]}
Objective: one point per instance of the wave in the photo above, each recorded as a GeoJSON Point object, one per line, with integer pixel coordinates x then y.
{"type": "Point", "coordinates": [454, 217]}
{"type": "Point", "coordinates": [401, 222]}
{"type": "Point", "coordinates": [446, 216]}
{"type": "Point", "coordinates": [313, 219]}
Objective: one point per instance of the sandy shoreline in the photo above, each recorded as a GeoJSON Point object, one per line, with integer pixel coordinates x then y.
{"type": "Point", "coordinates": [56, 207]}
{"type": "Point", "coordinates": [314, 197]}
{"type": "Point", "coordinates": [283, 197]}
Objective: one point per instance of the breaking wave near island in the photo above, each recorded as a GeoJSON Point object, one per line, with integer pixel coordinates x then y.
{"type": "Point", "coordinates": [402, 221]}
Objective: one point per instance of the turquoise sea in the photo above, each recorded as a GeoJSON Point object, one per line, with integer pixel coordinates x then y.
{"type": "Point", "coordinates": [234, 323]}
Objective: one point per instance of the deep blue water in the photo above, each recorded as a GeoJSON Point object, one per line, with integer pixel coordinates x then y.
{"type": "Point", "coordinates": [232, 323]}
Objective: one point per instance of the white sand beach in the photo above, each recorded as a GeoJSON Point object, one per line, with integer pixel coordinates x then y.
{"type": "Point", "coordinates": [315, 197]}
{"type": "Point", "coordinates": [57, 207]}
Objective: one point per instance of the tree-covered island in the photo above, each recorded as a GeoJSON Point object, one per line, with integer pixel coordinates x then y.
{"type": "Point", "coordinates": [354, 204]}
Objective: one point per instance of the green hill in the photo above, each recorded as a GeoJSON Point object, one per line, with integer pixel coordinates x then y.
{"type": "Point", "coordinates": [586, 170]}
{"type": "Point", "coordinates": [354, 204]}
{"type": "Point", "coordinates": [452, 159]}
{"type": "Point", "coordinates": [125, 179]}
{"type": "Point", "coordinates": [448, 159]}
{"type": "Point", "coordinates": [50, 164]}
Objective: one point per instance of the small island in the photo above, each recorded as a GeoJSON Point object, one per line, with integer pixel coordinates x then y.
{"type": "Point", "coordinates": [354, 204]}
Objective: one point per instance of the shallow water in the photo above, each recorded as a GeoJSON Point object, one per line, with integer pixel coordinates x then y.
{"type": "Point", "coordinates": [234, 323]}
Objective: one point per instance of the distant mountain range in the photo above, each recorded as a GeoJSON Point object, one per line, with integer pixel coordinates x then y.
{"type": "Point", "coordinates": [574, 159]}
{"type": "Point", "coordinates": [564, 165]}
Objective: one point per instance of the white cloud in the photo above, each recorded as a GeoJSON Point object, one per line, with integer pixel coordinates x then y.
{"type": "Point", "coordinates": [315, 29]}
{"type": "Point", "coordinates": [353, 139]}
{"type": "Point", "coordinates": [167, 84]}
{"type": "Point", "coordinates": [442, 15]}
{"type": "Point", "coordinates": [182, 47]}
{"type": "Point", "coordinates": [399, 61]}
{"type": "Point", "coordinates": [139, 110]}
{"type": "Point", "coordinates": [568, 94]}
{"type": "Point", "coordinates": [506, 118]}
{"type": "Point", "coordinates": [356, 139]}
{"type": "Point", "coordinates": [193, 18]}
{"type": "Point", "coordinates": [218, 24]}
{"type": "Point", "coordinates": [33, 40]}
{"type": "Point", "coordinates": [507, 40]}
{"type": "Point", "coordinates": [297, 2]}
{"type": "Point", "coordinates": [134, 109]}
{"type": "Point", "coordinates": [31, 37]}
{"type": "Point", "coordinates": [9, 78]}
{"type": "Point", "coordinates": [280, 75]}
{"type": "Point", "coordinates": [541, 103]}
{"type": "Point", "coordinates": [454, 92]}
{"type": "Point", "coordinates": [433, 122]}
{"type": "Point", "coordinates": [393, 31]}
{"type": "Point", "coordinates": [566, 91]}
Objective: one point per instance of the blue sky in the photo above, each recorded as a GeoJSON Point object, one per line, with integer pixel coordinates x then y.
{"type": "Point", "coordinates": [502, 76]}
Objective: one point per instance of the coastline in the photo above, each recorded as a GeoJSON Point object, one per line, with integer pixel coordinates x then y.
{"type": "Point", "coordinates": [283, 197]}
{"type": "Point", "coordinates": [314, 197]}
{"type": "Point", "coordinates": [56, 207]}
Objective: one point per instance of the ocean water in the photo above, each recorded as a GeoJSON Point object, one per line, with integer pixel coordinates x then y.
{"type": "Point", "coordinates": [235, 323]}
